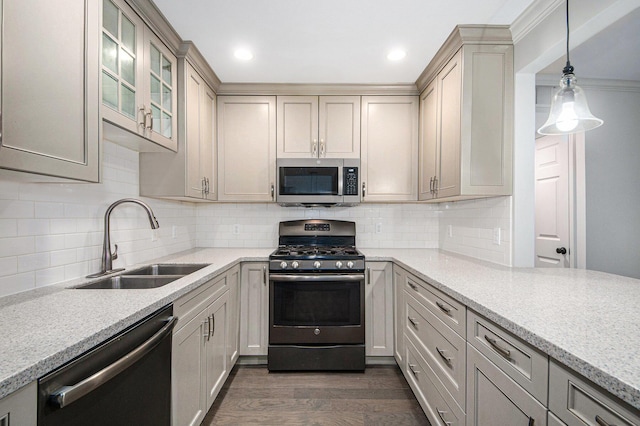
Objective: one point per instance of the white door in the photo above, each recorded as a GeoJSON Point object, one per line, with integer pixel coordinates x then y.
{"type": "Point", "coordinates": [552, 204]}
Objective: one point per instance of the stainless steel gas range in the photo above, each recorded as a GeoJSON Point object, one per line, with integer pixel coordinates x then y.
{"type": "Point", "coordinates": [316, 298]}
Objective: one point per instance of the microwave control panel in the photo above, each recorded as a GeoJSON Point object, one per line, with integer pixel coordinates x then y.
{"type": "Point", "coordinates": [350, 181]}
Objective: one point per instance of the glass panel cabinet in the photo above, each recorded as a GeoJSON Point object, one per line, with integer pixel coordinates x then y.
{"type": "Point", "coordinates": [138, 82]}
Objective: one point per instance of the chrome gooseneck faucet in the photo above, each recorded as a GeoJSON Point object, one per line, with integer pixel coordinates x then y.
{"type": "Point", "coordinates": [107, 256]}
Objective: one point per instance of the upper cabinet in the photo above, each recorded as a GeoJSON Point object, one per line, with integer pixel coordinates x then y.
{"type": "Point", "coordinates": [389, 148]}
{"type": "Point", "coordinates": [318, 127]}
{"type": "Point", "coordinates": [189, 174]}
{"type": "Point", "coordinates": [466, 115]}
{"type": "Point", "coordinates": [50, 63]}
{"type": "Point", "coordinates": [246, 129]}
{"type": "Point", "coordinates": [138, 82]}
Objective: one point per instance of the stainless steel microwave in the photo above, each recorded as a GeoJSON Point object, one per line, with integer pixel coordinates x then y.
{"type": "Point", "coordinates": [318, 181]}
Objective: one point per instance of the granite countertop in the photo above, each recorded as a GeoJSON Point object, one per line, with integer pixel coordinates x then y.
{"type": "Point", "coordinates": [587, 320]}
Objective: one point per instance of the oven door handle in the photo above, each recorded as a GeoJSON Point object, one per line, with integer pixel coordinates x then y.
{"type": "Point", "coordinates": [316, 278]}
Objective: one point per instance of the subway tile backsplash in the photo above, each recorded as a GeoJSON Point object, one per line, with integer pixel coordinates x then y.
{"type": "Point", "coordinates": [52, 232]}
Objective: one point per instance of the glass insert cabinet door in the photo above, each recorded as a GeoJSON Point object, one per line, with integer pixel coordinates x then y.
{"type": "Point", "coordinates": [120, 57]}
{"type": "Point", "coordinates": [161, 85]}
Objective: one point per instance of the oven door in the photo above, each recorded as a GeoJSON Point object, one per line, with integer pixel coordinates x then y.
{"type": "Point", "coordinates": [316, 309]}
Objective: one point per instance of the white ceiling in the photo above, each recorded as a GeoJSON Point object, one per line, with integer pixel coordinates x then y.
{"type": "Point", "coordinates": [611, 54]}
{"type": "Point", "coordinates": [329, 41]}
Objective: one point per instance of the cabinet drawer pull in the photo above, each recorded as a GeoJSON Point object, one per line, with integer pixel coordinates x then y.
{"type": "Point", "coordinates": [413, 322]}
{"type": "Point", "coordinates": [447, 359]}
{"type": "Point", "coordinates": [412, 367]}
{"type": "Point", "coordinates": [441, 415]}
{"type": "Point", "coordinates": [413, 286]}
{"type": "Point", "coordinates": [264, 275]}
{"type": "Point", "coordinates": [531, 421]}
{"type": "Point", "coordinates": [602, 422]}
{"type": "Point", "coordinates": [502, 351]}
{"type": "Point", "coordinates": [443, 308]}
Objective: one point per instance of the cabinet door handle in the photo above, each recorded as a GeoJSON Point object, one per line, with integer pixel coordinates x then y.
{"type": "Point", "coordinates": [364, 189]}
{"type": "Point", "coordinates": [413, 286]}
{"type": "Point", "coordinates": [273, 192]}
{"type": "Point", "coordinates": [207, 333]}
{"type": "Point", "coordinates": [322, 149]}
{"type": "Point", "coordinates": [413, 322]}
{"type": "Point", "coordinates": [264, 275]}
{"type": "Point", "coordinates": [213, 325]}
{"type": "Point", "coordinates": [431, 185]}
{"type": "Point", "coordinates": [314, 148]}
{"type": "Point", "coordinates": [441, 414]}
{"type": "Point", "coordinates": [443, 308]}
{"type": "Point", "coordinates": [142, 110]}
{"type": "Point", "coordinates": [494, 344]}
{"type": "Point", "coordinates": [435, 185]}
{"type": "Point", "coordinates": [412, 367]}
{"type": "Point", "coordinates": [150, 127]}
{"type": "Point", "coordinates": [368, 275]}
{"type": "Point", "coordinates": [447, 359]}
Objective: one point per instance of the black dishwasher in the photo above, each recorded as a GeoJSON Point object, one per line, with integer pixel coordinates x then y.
{"type": "Point", "coordinates": [123, 381]}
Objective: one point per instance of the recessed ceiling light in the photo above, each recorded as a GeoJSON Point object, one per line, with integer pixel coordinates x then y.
{"type": "Point", "coordinates": [396, 54]}
{"type": "Point", "coordinates": [243, 54]}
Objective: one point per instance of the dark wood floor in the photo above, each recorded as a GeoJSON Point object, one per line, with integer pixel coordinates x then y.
{"type": "Point", "coordinates": [253, 396]}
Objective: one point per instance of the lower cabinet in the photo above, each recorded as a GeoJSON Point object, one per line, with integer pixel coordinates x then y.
{"type": "Point", "coordinates": [20, 407]}
{"type": "Point", "coordinates": [254, 308]}
{"type": "Point", "coordinates": [577, 402]}
{"type": "Point", "coordinates": [201, 358]}
{"type": "Point", "coordinates": [379, 309]}
{"type": "Point", "coordinates": [493, 398]}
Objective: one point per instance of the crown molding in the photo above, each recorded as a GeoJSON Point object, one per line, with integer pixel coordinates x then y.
{"type": "Point", "coordinates": [316, 89]}
{"type": "Point", "coordinates": [461, 35]}
{"type": "Point", "coordinates": [155, 20]}
{"type": "Point", "coordinates": [190, 52]}
{"type": "Point", "coordinates": [533, 15]}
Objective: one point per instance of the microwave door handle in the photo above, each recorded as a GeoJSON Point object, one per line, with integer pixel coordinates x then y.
{"type": "Point", "coordinates": [340, 180]}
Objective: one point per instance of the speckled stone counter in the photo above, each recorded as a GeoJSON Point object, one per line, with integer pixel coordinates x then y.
{"type": "Point", "coordinates": [44, 328]}
{"type": "Point", "coordinates": [589, 321]}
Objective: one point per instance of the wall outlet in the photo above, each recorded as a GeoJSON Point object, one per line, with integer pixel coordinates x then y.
{"type": "Point", "coordinates": [236, 229]}
{"type": "Point", "coordinates": [378, 228]}
{"type": "Point", "coordinates": [496, 236]}
{"type": "Point", "coordinates": [450, 231]}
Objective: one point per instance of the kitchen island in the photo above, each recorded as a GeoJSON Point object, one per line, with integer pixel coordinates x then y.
{"type": "Point", "coordinates": [586, 320]}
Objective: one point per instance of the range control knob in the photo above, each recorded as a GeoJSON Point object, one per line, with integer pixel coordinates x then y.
{"type": "Point", "coordinates": [295, 264]}
{"type": "Point", "coordinates": [283, 265]}
{"type": "Point", "coordinates": [338, 264]}
{"type": "Point", "coordinates": [316, 331]}
{"type": "Point", "coordinates": [350, 264]}
{"type": "Point", "coordinates": [317, 264]}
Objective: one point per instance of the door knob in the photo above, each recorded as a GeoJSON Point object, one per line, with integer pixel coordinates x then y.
{"type": "Point", "coordinates": [561, 250]}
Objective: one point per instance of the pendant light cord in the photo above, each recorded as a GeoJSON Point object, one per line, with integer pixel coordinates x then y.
{"type": "Point", "coordinates": [568, 69]}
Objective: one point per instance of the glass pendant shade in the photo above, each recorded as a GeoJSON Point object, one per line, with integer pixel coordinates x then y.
{"type": "Point", "coordinates": [569, 110]}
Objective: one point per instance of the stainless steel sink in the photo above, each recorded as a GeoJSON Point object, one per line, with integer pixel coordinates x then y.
{"type": "Point", "coordinates": [151, 276]}
{"type": "Point", "coordinates": [168, 269]}
{"type": "Point", "coordinates": [130, 282]}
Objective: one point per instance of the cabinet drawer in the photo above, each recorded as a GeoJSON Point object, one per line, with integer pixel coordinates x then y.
{"type": "Point", "coordinates": [450, 311]}
{"type": "Point", "coordinates": [578, 402]}
{"type": "Point", "coordinates": [186, 307]}
{"type": "Point", "coordinates": [522, 362]}
{"type": "Point", "coordinates": [421, 380]}
{"type": "Point", "coordinates": [440, 346]}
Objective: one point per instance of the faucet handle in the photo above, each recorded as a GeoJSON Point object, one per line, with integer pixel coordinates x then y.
{"type": "Point", "coordinates": [114, 255]}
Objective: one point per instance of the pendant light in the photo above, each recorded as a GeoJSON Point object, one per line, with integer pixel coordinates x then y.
{"type": "Point", "coordinates": [569, 109]}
